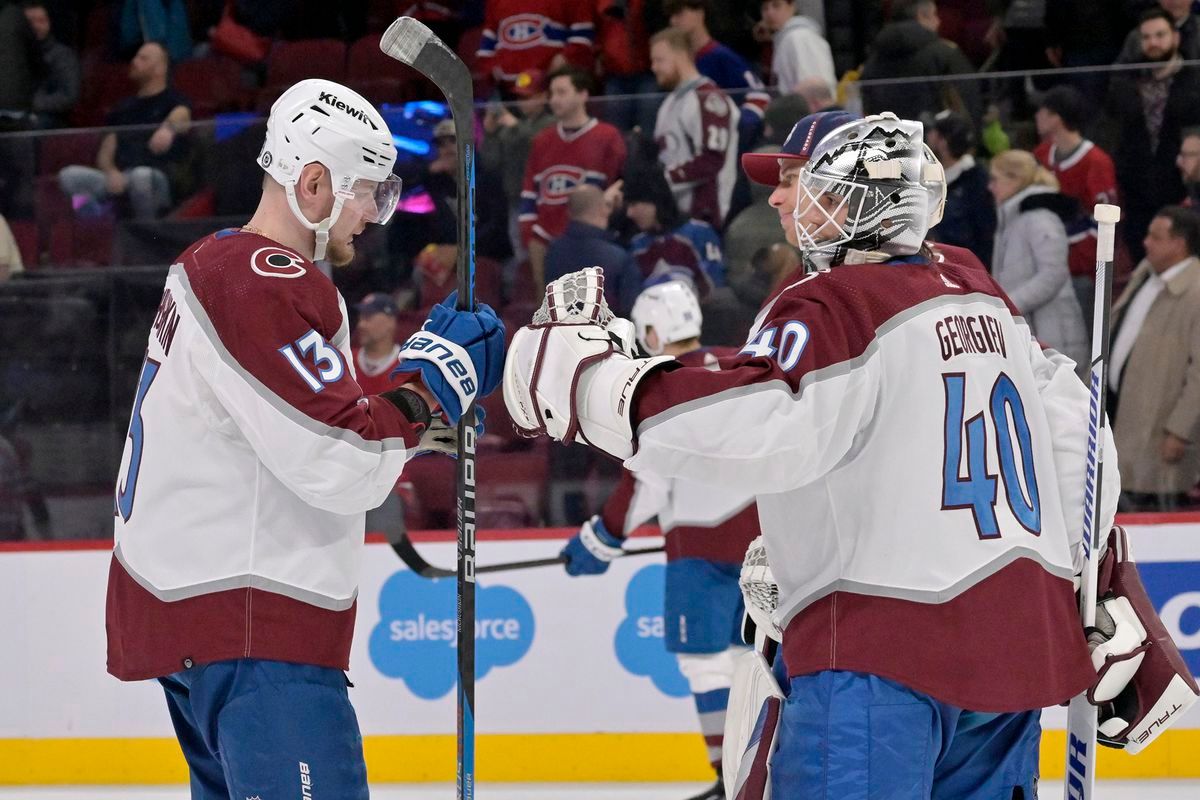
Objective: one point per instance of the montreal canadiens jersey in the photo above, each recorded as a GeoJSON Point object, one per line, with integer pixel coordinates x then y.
{"type": "Point", "coordinates": [251, 459]}
{"type": "Point", "coordinates": [697, 520]}
{"type": "Point", "coordinates": [697, 137]}
{"type": "Point", "coordinates": [375, 377]}
{"type": "Point", "coordinates": [918, 462]}
{"type": "Point", "coordinates": [559, 161]}
{"type": "Point", "coordinates": [521, 35]}
{"type": "Point", "coordinates": [1089, 176]}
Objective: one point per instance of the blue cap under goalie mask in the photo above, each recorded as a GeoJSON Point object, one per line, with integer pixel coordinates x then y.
{"type": "Point", "coordinates": [870, 191]}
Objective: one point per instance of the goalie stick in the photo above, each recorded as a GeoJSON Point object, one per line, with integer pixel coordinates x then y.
{"type": "Point", "coordinates": [410, 42]}
{"type": "Point", "coordinates": [412, 559]}
{"type": "Point", "coordinates": [1081, 715]}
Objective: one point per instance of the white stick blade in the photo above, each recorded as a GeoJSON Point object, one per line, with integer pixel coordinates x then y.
{"type": "Point", "coordinates": [404, 39]}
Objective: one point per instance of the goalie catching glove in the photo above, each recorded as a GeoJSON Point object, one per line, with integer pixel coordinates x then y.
{"type": "Point", "coordinates": [570, 374]}
{"type": "Point", "coordinates": [1144, 685]}
{"type": "Point", "coordinates": [460, 354]}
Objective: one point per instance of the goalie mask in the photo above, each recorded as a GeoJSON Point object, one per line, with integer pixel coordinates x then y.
{"type": "Point", "coordinates": [319, 121]}
{"type": "Point", "coordinates": [871, 191]}
{"type": "Point", "coordinates": [671, 309]}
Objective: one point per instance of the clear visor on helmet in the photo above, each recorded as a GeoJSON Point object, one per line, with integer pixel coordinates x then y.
{"type": "Point", "coordinates": [827, 210]}
{"type": "Point", "coordinates": [378, 199]}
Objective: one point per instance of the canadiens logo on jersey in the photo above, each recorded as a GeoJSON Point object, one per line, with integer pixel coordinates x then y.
{"type": "Point", "coordinates": [559, 181]}
{"type": "Point", "coordinates": [523, 30]}
{"type": "Point", "coordinates": [276, 262]}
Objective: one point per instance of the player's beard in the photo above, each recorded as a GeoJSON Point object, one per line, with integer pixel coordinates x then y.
{"type": "Point", "coordinates": [339, 254]}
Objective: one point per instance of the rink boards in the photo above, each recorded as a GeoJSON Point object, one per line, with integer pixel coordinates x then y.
{"type": "Point", "coordinates": [573, 681]}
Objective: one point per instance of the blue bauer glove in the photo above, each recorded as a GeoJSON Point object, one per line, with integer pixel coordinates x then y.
{"type": "Point", "coordinates": [460, 354]}
{"type": "Point", "coordinates": [592, 549]}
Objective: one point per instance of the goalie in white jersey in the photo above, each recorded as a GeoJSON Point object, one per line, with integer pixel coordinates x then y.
{"type": "Point", "coordinates": [253, 455]}
{"type": "Point", "coordinates": [918, 461]}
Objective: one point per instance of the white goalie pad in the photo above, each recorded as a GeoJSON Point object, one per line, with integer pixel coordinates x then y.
{"type": "Point", "coordinates": [751, 722]}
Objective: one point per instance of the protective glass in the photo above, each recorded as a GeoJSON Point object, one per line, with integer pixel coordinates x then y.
{"type": "Point", "coordinates": [378, 198]}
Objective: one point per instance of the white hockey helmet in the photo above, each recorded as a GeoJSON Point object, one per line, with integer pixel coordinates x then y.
{"type": "Point", "coordinates": [671, 309]}
{"type": "Point", "coordinates": [891, 186]}
{"type": "Point", "coordinates": [324, 122]}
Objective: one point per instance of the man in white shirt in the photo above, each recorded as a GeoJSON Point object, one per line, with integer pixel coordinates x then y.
{"type": "Point", "coordinates": [800, 49]}
{"type": "Point", "coordinates": [1154, 367]}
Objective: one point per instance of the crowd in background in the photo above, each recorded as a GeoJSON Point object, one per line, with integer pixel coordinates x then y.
{"type": "Point", "coordinates": [608, 133]}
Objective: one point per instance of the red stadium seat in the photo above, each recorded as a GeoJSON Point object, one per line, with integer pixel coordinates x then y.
{"type": "Point", "coordinates": [213, 85]}
{"type": "Point", "coordinates": [25, 233]}
{"type": "Point", "coordinates": [81, 242]}
{"type": "Point", "coordinates": [62, 149]}
{"type": "Point", "coordinates": [290, 62]}
{"type": "Point", "coordinates": [106, 85]}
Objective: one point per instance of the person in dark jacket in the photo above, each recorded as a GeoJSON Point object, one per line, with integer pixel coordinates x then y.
{"type": "Point", "coordinates": [587, 243]}
{"type": "Point", "coordinates": [20, 63]}
{"type": "Point", "coordinates": [1151, 108]}
{"type": "Point", "coordinates": [58, 90]}
{"type": "Point", "coordinates": [909, 47]}
{"type": "Point", "coordinates": [970, 217]}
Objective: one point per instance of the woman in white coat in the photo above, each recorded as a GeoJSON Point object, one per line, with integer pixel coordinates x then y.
{"type": "Point", "coordinates": [1029, 259]}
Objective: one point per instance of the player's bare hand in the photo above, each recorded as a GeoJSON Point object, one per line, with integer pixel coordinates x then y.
{"type": "Point", "coordinates": [614, 195]}
{"type": "Point", "coordinates": [161, 140]}
{"type": "Point", "coordinates": [1173, 448]}
{"type": "Point", "coordinates": [115, 181]}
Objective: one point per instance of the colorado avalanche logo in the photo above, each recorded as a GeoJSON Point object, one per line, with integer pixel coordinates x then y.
{"type": "Point", "coordinates": [558, 182]}
{"type": "Point", "coordinates": [275, 262]}
{"type": "Point", "coordinates": [523, 30]}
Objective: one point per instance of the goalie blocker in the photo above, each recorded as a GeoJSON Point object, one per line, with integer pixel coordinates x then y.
{"type": "Point", "coordinates": [1144, 685]}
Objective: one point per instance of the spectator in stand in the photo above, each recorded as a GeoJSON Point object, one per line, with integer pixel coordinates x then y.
{"type": "Point", "coordinates": [20, 63]}
{"type": "Point", "coordinates": [1186, 23]}
{"type": "Point", "coordinates": [909, 47]}
{"type": "Point", "coordinates": [586, 241]}
{"type": "Point", "coordinates": [546, 34]}
{"type": "Point", "coordinates": [507, 138]}
{"type": "Point", "coordinates": [800, 49]}
{"type": "Point", "coordinates": [10, 254]}
{"type": "Point", "coordinates": [623, 47]}
{"type": "Point", "coordinates": [378, 351]}
{"type": "Point", "coordinates": [756, 228]}
{"type": "Point", "coordinates": [696, 131]}
{"type": "Point", "coordinates": [162, 21]}
{"type": "Point", "coordinates": [1151, 108]}
{"type": "Point", "coordinates": [816, 94]}
{"type": "Point", "coordinates": [668, 245]}
{"type": "Point", "coordinates": [577, 149]}
{"type": "Point", "coordinates": [1029, 260]}
{"type": "Point", "coordinates": [1084, 171]}
{"type": "Point", "coordinates": [58, 90]}
{"type": "Point", "coordinates": [1154, 367]}
{"type": "Point", "coordinates": [720, 63]}
{"type": "Point", "coordinates": [135, 163]}
{"type": "Point", "coordinates": [970, 214]}
{"type": "Point", "coordinates": [1188, 162]}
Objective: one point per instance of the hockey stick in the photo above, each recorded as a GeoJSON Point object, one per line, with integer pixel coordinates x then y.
{"type": "Point", "coordinates": [1081, 715]}
{"type": "Point", "coordinates": [410, 42]}
{"type": "Point", "coordinates": [413, 560]}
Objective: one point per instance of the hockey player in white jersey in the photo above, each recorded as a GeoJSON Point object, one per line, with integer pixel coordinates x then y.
{"type": "Point", "coordinates": [253, 455]}
{"type": "Point", "coordinates": [707, 531]}
{"type": "Point", "coordinates": [918, 461]}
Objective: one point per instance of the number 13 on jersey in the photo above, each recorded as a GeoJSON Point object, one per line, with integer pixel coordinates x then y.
{"type": "Point", "coordinates": [977, 491]}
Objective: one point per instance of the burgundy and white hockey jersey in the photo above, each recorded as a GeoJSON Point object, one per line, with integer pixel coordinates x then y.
{"type": "Point", "coordinates": [251, 458]}
{"type": "Point", "coordinates": [697, 136]}
{"type": "Point", "coordinates": [918, 462]}
{"type": "Point", "coordinates": [697, 520]}
{"type": "Point", "coordinates": [559, 161]}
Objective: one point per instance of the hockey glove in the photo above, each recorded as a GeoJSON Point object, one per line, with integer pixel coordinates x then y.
{"type": "Point", "coordinates": [590, 552]}
{"type": "Point", "coordinates": [759, 592]}
{"type": "Point", "coordinates": [442, 437]}
{"type": "Point", "coordinates": [460, 354]}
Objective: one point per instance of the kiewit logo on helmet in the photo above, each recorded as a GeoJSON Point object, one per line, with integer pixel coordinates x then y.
{"type": "Point", "coordinates": [330, 99]}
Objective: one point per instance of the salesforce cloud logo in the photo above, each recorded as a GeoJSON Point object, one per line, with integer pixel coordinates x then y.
{"type": "Point", "coordinates": [639, 641]}
{"type": "Point", "coordinates": [415, 637]}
